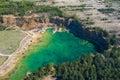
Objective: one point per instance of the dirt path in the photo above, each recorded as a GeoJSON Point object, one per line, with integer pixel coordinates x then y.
{"type": "Point", "coordinates": [4, 55]}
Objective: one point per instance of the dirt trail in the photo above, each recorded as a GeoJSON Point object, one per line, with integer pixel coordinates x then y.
{"type": "Point", "coordinates": [4, 55]}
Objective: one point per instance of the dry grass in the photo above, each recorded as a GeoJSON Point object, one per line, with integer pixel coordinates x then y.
{"type": "Point", "coordinates": [2, 59]}
{"type": "Point", "coordinates": [9, 40]}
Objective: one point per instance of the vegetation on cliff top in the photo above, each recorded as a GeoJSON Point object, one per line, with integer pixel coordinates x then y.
{"type": "Point", "coordinates": [25, 7]}
{"type": "Point", "coordinates": [2, 28]}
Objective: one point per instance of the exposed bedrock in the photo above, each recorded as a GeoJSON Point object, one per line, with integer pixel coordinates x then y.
{"type": "Point", "coordinates": [8, 20]}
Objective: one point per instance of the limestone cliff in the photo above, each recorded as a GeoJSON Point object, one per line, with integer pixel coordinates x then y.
{"type": "Point", "coordinates": [8, 20]}
{"type": "Point", "coordinates": [29, 25]}
{"type": "Point", "coordinates": [25, 22]}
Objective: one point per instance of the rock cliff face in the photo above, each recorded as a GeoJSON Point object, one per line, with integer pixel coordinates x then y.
{"type": "Point", "coordinates": [8, 20]}
{"type": "Point", "coordinates": [72, 25]}
{"type": "Point", "coordinates": [78, 30]}
{"type": "Point", "coordinates": [29, 25]}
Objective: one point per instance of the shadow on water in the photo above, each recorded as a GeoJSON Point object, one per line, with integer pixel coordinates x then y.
{"type": "Point", "coordinates": [76, 28]}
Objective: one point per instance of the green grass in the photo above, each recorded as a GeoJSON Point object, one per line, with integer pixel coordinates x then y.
{"type": "Point", "coordinates": [2, 59]}
{"type": "Point", "coordinates": [9, 40]}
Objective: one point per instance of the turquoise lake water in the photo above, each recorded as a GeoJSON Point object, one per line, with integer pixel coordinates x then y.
{"type": "Point", "coordinates": [56, 48]}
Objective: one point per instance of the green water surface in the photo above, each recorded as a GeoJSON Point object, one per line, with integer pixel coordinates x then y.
{"type": "Point", "coordinates": [57, 48]}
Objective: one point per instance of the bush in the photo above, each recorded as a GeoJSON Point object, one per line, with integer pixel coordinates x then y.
{"type": "Point", "coordinates": [25, 7]}
{"type": "Point", "coordinates": [2, 28]}
{"type": "Point", "coordinates": [108, 10]}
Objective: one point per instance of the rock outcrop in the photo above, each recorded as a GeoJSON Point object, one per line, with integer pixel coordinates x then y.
{"type": "Point", "coordinates": [25, 22]}
{"type": "Point", "coordinates": [8, 20]}
{"type": "Point", "coordinates": [29, 25]}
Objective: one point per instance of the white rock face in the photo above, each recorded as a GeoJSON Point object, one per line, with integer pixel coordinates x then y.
{"type": "Point", "coordinates": [66, 2]}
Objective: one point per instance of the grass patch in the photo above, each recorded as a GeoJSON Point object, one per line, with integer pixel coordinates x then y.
{"type": "Point", "coordinates": [2, 28]}
{"type": "Point", "coordinates": [2, 59]}
{"type": "Point", "coordinates": [9, 40]}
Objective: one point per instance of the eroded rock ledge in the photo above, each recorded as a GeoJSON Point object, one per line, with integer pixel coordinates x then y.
{"type": "Point", "coordinates": [75, 27]}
